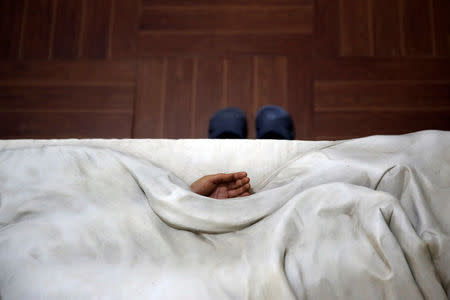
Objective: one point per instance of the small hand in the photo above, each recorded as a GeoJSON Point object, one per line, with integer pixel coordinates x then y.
{"type": "Point", "coordinates": [223, 186]}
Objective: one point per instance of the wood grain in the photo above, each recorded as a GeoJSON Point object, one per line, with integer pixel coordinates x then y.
{"type": "Point", "coordinates": [382, 69]}
{"type": "Point", "coordinates": [359, 124]}
{"type": "Point", "coordinates": [161, 68]}
{"type": "Point", "coordinates": [125, 28]}
{"type": "Point", "coordinates": [386, 28]}
{"type": "Point", "coordinates": [326, 28]}
{"type": "Point", "coordinates": [354, 28]}
{"type": "Point", "coordinates": [178, 105]}
{"type": "Point", "coordinates": [270, 81]}
{"type": "Point", "coordinates": [36, 36]}
{"type": "Point", "coordinates": [229, 2]}
{"type": "Point", "coordinates": [300, 96]}
{"type": "Point", "coordinates": [96, 29]}
{"type": "Point", "coordinates": [417, 30]}
{"type": "Point", "coordinates": [67, 29]}
{"type": "Point", "coordinates": [61, 98]}
{"type": "Point", "coordinates": [65, 125]}
{"type": "Point", "coordinates": [399, 96]}
{"type": "Point", "coordinates": [239, 88]}
{"type": "Point", "coordinates": [442, 27]}
{"type": "Point", "coordinates": [11, 19]}
{"type": "Point", "coordinates": [150, 98]}
{"type": "Point", "coordinates": [208, 93]}
{"type": "Point", "coordinates": [212, 19]}
{"type": "Point", "coordinates": [68, 72]}
{"type": "Point", "coordinates": [157, 44]}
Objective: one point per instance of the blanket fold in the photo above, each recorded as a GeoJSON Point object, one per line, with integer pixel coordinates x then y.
{"type": "Point", "coordinates": [358, 219]}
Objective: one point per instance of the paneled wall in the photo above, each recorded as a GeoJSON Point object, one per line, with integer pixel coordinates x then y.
{"type": "Point", "coordinates": [160, 68]}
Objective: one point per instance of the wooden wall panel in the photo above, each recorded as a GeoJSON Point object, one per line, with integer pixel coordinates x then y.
{"type": "Point", "coordinates": [393, 96]}
{"type": "Point", "coordinates": [326, 28]}
{"type": "Point", "coordinates": [178, 110]}
{"type": "Point", "coordinates": [68, 72]}
{"type": "Point", "coordinates": [229, 2]}
{"type": "Point", "coordinates": [79, 98]}
{"type": "Point", "coordinates": [386, 28]}
{"type": "Point", "coordinates": [227, 29]}
{"type": "Point", "coordinates": [150, 98]}
{"type": "Point", "coordinates": [179, 95]}
{"type": "Point", "coordinates": [355, 28]}
{"type": "Point", "coordinates": [43, 99]}
{"type": "Point", "coordinates": [38, 23]}
{"type": "Point", "coordinates": [270, 83]}
{"type": "Point", "coordinates": [161, 68]}
{"type": "Point", "coordinates": [65, 125]}
{"type": "Point", "coordinates": [66, 39]}
{"type": "Point", "coordinates": [417, 27]}
{"type": "Point", "coordinates": [238, 88]}
{"type": "Point", "coordinates": [208, 92]}
{"type": "Point", "coordinates": [160, 44]}
{"type": "Point", "coordinates": [355, 98]}
{"type": "Point", "coordinates": [11, 19]}
{"type": "Point", "coordinates": [300, 96]}
{"type": "Point", "coordinates": [382, 69]}
{"type": "Point", "coordinates": [344, 125]}
{"type": "Point", "coordinates": [124, 28]}
{"type": "Point", "coordinates": [96, 28]}
{"type": "Point", "coordinates": [441, 13]}
{"type": "Point", "coordinates": [291, 19]}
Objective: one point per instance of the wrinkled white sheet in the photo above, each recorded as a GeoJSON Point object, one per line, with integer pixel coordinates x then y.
{"type": "Point", "coordinates": [114, 219]}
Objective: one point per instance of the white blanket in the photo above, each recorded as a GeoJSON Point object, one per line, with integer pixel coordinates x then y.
{"type": "Point", "coordinates": [115, 219]}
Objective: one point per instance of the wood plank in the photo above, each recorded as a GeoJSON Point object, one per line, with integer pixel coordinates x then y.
{"type": "Point", "coordinates": [210, 19]}
{"type": "Point", "coordinates": [36, 36]}
{"type": "Point", "coordinates": [96, 28]}
{"type": "Point", "coordinates": [223, 44]}
{"type": "Point", "coordinates": [354, 28]}
{"type": "Point", "coordinates": [300, 96]}
{"type": "Point", "coordinates": [150, 99]}
{"type": "Point", "coordinates": [91, 98]}
{"type": "Point", "coordinates": [338, 124]}
{"type": "Point", "coordinates": [11, 19]}
{"type": "Point", "coordinates": [326, 30]}
{"type": "Point", "coordinates": [221, 2]}
{"type": "Point", "coordinates": [270, 81]}
{"type": "Point", "coordinates": [386, 28]}
{"type": "Point", "coordinates": [381, 96]}
{"type": "Point", "coordinates": [178, 104]}
{"type": "Point", "coordinates": [208, 96]}
{"type": "Point", "coordinates": [67, 29]}
{"type": "Point", "coordinates": [417, 30]}
{"type": "Point", "coordinates": [442, 27]}
{"type": "Point", "coordinates": [64, 125]}
{"type": "Point", "coordinates": [125, 28]}
{"type": "Point", "coordinates": [67, 72]}
{"type": "Point", "coordinates": [239, 88]}
{"type": "Point", "coordinates": [382, 69]}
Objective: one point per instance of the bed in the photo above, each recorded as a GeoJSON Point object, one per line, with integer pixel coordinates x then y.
{"type": "Point", "coordinates": [364, 218]}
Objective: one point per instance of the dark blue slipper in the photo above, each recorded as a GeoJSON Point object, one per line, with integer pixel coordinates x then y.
{"type": "Point", "coordinates": [273, 122]}
{"type": "Point", "coordinates": [228, 123]}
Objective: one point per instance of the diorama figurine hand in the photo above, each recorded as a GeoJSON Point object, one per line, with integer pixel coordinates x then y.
{"type": "Point", "coordinates": [223, 186]}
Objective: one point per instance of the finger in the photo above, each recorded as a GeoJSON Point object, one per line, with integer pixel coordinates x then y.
{"type": "Point", "coordinates": [222, 178]}
{"type": "Point", "coordinates": [239, 191]}
{"type": "Point", "coordinates": [238, 183]}
{"type": "Point", "coordinates": [245, 194]}
{"type": "Point", "coordinates": [239, 175]}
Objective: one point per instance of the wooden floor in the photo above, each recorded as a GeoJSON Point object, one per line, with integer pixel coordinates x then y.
{"type": "Point", "coordinates": [161, 68]}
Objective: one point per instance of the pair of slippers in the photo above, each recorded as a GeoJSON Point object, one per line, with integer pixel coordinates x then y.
{"type": "Point", "coordinates": [272, 122]}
